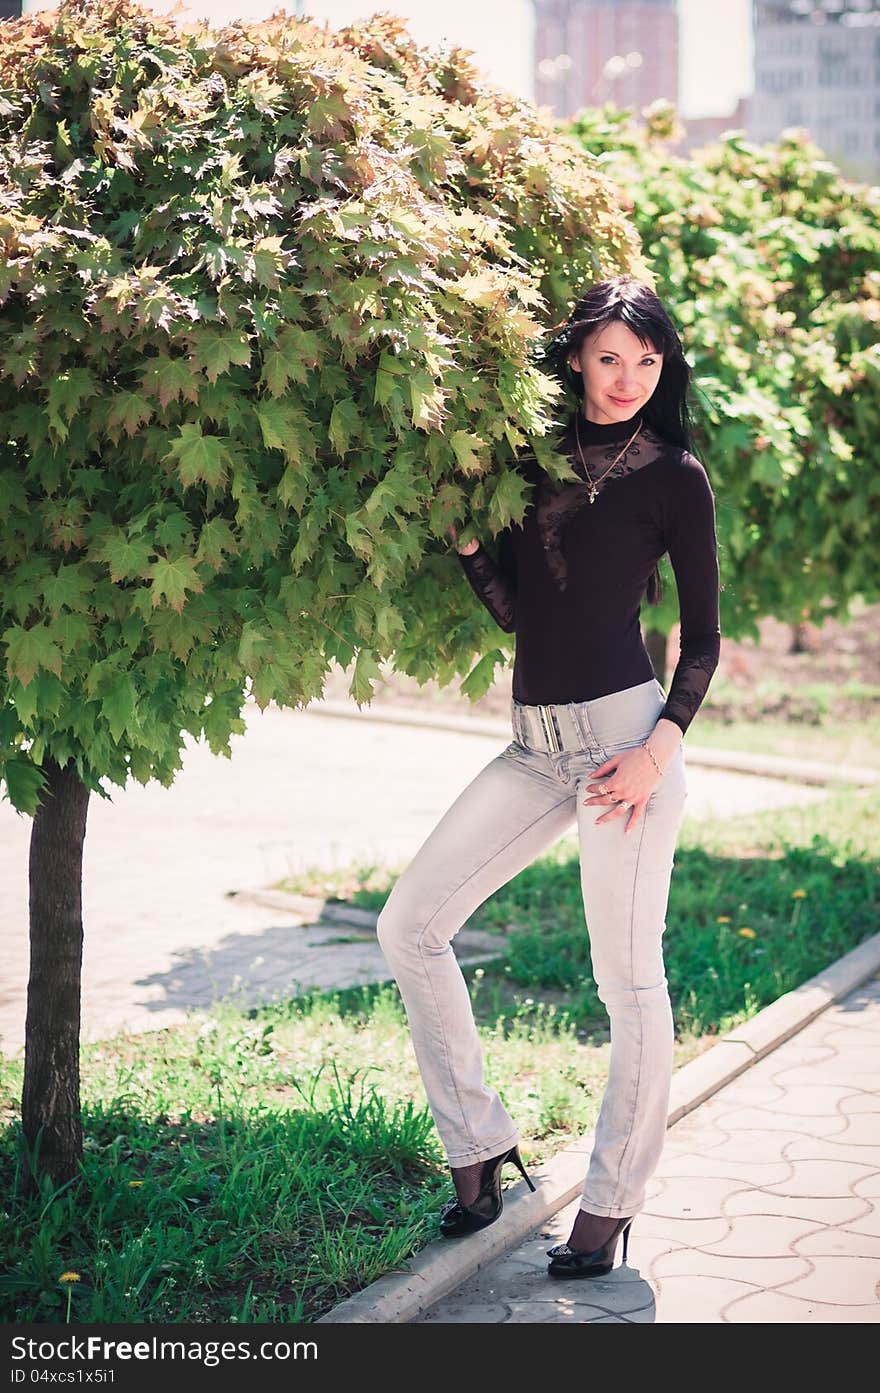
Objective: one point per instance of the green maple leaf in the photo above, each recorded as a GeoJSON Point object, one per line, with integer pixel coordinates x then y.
{"type": "Point", "coordinates": [278, 420]}
{"type": "Point", "coordinates": [366, 671]}
{"type": "Point", "coordinates": [23, 783]}
{"type": "Point", "coordinates": [216, 352]}
{"type": "Point", "coordinates": [171, 379]}
{"type": "Point", "coordinates": [71, 631]}
{"type": "Point", "coordinates": [482, 675]}
{"type": "Point", "coordinates": [465, 446]}
{"type": "Point", "coordinates": [127, 559]}
{"type": "Point", "coordinates": [509, 500]}
{"type": "Point", "coordinates": [118, 703]}
{"type": "Point", "coordinates": [215, 539]}
{"type": "Point", "coordinates": [200, 458]}
{"type": "Point", "coordinates": [67, 391]}
{"type": "Point", "coordinates": [30, 649]}
{"type": "Point", "coordinates": [130, 410]}
{"type": "Point", "coordinates": [69, 587]}
{"type": "Point", "coordinates": [171, 577]}
{"type": "Point", "coordinates": [345, 424]}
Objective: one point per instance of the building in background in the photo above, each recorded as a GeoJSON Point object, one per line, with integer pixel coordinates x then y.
{"type": "Point", "coordinates": [705, 130]}
{"type": "Point", "coordinates": [588, 52]}
{"type": "Point", "coordinates": [817, 65]}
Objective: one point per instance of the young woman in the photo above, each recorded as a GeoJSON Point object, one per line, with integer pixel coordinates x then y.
{"type": "Point", "coordinates": [597, 739]}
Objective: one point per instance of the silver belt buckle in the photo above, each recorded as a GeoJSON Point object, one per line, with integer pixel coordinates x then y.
{"type": "Point", "coordinates": [549, 730]}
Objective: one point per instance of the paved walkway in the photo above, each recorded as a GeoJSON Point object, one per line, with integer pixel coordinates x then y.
{"type": "Point", "coordinates": [164, 930]}
{"type": "Point", "coordinates": [765, 1207]}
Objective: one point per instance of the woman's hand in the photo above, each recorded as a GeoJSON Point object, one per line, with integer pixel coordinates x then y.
{"type": "Point", "coordinates": [452, 531]}
{"type": "Point", "coordinates": [625, 782]}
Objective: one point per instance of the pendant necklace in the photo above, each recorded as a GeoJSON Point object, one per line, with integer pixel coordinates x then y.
{"type": "Point", "coordinates": [593, 482]}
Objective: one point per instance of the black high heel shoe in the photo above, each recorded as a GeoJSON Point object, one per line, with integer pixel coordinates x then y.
{"type": "Point", "coordinates": [568, 1263]}
{"type": "Point", "coordinates": [457, 1218]}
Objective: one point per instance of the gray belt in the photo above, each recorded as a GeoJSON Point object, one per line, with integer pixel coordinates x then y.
{"type": "Point", "coordinates": [552, 728]}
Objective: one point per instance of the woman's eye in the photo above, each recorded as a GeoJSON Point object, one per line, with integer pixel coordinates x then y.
{"type": "Point", "coordinates": [649, 362]}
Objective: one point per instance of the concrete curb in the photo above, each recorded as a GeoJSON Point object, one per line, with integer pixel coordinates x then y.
{"type": "Point", "coordinates": [439, 1269]}
{"type": "Point", "coordinates": [736, 761]}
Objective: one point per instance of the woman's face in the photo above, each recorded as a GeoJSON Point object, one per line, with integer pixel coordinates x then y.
{"type": "Point", "coordinates": [618, 372]}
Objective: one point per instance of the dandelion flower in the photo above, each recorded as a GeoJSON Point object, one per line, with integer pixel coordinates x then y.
{"type": "Point", "coordinates": [798, 894]}
{"type": "Point", "coordinates": [134, 1183]}
{"type": "Point", "coordinates": [747, 932]}
{"type": "Point", "coordinates": [70, 1277]}
{"type": "Point", "coordinates": [723, 919]}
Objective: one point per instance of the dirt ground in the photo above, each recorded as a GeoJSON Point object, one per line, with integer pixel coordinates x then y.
{"type": "Point", "coordinates": [754, 678]}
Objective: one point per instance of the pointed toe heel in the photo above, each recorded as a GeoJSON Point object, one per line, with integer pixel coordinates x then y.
{"type": "Point", "coordinates": [568, 1263]}
{"type": "Point", "coordinates": [457, 1218]}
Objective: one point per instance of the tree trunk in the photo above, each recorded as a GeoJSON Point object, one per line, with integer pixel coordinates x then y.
{"type": "Point", "coordinates": [804, 638]}
{"type": "Point", "coordinates": [655, 642]}
{"type": "Point", "coordinates": [50, 1098]}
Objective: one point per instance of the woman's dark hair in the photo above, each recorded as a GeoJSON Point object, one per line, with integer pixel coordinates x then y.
{"type": "Point", "coordinates": [634, 304]}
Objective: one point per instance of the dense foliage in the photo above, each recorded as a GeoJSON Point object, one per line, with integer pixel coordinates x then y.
{"type": "Point", "coordinates": [770, 261]}
{"type": "Point", "coordinates": [269, 301]}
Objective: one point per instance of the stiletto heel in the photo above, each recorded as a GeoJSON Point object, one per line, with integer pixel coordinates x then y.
{"type": "Point", "coordinates": [515, 1157]}
{"type": "Point", "coordinates": [457, 1218]}
{"type": "Point", "coordinates": [569, 1263]}
{"type": "Point", "coordinates": [626, 1241]}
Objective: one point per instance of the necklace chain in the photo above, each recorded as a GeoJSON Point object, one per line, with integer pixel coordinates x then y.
{"type": "Point", "coordinates": [593, 482]}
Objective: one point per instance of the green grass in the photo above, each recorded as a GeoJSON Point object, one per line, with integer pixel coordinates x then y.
{"type": "Point", "coordinates": [261, 1165]}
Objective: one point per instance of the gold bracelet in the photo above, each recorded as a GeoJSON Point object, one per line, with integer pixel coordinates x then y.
{"type": "Point", "coordinates": [646, 746]}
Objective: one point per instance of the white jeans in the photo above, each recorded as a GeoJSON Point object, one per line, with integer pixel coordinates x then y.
{"type": "Point", "coordinates": [514, 810]}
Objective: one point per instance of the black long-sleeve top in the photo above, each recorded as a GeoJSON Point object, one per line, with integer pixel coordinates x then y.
{"type": "Point", "coordinates": [569, 580]}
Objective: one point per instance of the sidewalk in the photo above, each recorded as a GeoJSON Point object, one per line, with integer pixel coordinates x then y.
{"type": "Point", "coordinates": [765, 1207]}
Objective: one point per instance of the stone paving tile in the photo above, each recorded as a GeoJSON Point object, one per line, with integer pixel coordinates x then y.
{"type": "Point", "coordinates": [698, 1299]}
{"type": "Point", "coordinates": [775, 1308]}
{"type": "Point", "coordinates": [768, 1271]}
{"type": "Point", "coordinates": [819, 1178]}
{"type": "Point", "coordinates": [856, 1066]}
{"type": "Point", "coordinates": [860, 1103]}
{"type": "Point", "coordinates": [767, 1120]}
{"type": "Point", "coordinates": [692, 1197]}
{"type": "Point", "coordinates": [868, 1187]}
{"type": "Point", "coordinates": [691, 1233]}
{"type": "Point", "coordinates": [861, 1128]}
{"type": "Point", "coordinates": [867, 1223]}
{"type": "Point", "coordinates": [574, 1309]}
{"type": "Point", "coordinates": [755, 1173]}
{"type": "Point", "coordinates": [852, 1035]}
{"type": "Point", "coordinates": [805, 1149]}
{"type": "Point", "coordinates": [744, 1147]}
{"type": "Point", "coordinates": [841, 1210]}
{"type": "Point", "coordinates": [842, 1281]}
{"type": "Point", "coordinates": [794, 1053]}
{"type": "Point", "coordinates": [809, 1100]}
{"type": "Point", "coordinates": [839, 1242]}
{"type": "Point", "coordinates": [755, 1094]}
{"type": "Point", "coordinates": [795, 1075]}
{"type": "Point", "coordinates": [759, 1236]}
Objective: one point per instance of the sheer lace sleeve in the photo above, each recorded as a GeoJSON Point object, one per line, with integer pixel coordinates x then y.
{"type": "Point", "coordinates": [693, 551]}
{"type": "Point", "coordinates": [494, 582]}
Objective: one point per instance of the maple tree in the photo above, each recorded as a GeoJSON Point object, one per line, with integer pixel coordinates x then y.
{"type": "Point", "coordinates": [269, 304]}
